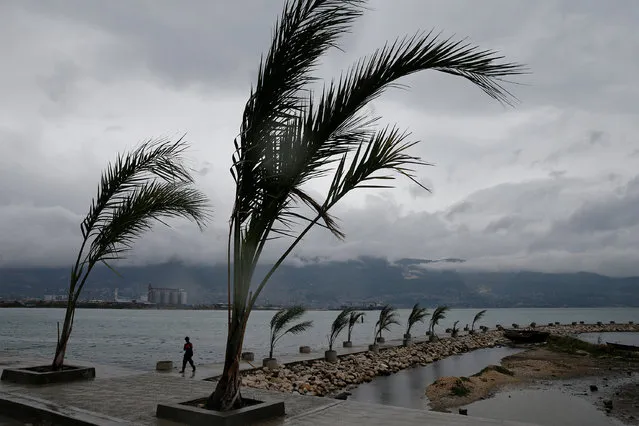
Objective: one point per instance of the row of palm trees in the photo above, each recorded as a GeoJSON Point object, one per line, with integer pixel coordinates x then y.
{"type": "Point", "coordinates": [283, 321]}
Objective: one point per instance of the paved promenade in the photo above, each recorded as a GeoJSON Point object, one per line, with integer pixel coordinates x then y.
{"type": "Point", "coordinates": [133, 396]}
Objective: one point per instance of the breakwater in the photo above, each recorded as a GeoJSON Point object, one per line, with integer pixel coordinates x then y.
{"type": "Point", "coordinates": [322, 378]}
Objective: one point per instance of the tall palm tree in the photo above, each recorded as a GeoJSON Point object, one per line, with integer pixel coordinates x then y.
{"type": "Point", "coordinates": [282, 319]}
{"type": "Point", "coordinates": [417, 315]}
{"type": "Point", "coordinates": [387, 317]}
{"type": "Point", "coordinates": [353, 319]}
{"type": "Point", "coordinates": [438, 314]}
{"type": "Point", "coordinates": [290, 136]}
{"type": "Point", "coordinates": [148, 185]}
{"type": "Point", "coordinates": [339, 324]}
{"type": "Point", "coordinates": [478, 316]}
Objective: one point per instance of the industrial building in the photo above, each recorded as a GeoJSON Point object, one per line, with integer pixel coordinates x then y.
{"type": "Point", "coordinates": [167, 296]}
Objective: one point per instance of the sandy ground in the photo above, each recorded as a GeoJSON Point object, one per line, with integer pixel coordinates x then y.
{"type": "Point", "coordinates": [616, 376]}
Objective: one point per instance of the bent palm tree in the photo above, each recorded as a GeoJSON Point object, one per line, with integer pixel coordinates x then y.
{"type": "Point", "coordinates": [387, 317]}
{"type": "Point", "coordinates": [438, 314]}
{"type": "Point", "coordinates": [290, 136]}
{"type": "Point", "coordinates": [338, 325]}
{"type": "Point", "coordinates": [417, 315]}
{"type": "Point", "coordinates": [454, 331]}
{"type": "Point", "coordinates": [478, 316]}
{"type": "Point", "coordinates": [353, 319]}
{"type": "Point", "coordinates": [150, 184]}
{"type": "Point", "coordinates": [282, 319]}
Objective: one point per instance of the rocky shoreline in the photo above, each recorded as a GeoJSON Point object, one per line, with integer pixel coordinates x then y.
{"type": "Point", "coordinates": [321, 378]}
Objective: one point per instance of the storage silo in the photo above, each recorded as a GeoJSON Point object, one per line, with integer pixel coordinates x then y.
{"type": "Point", "coordinates": [174, 297]}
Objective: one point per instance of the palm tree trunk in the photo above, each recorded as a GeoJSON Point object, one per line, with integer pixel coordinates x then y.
{"type": "Point", "coordinates": [61, 347]}
{"type": "Point", "coordinates": [227, 392]}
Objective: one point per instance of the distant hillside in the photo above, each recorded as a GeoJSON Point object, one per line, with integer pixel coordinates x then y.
{"type": "Point", "coordinates": [357, 281]}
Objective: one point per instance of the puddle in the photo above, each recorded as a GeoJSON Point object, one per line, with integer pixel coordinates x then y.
{"type": "Point", "coordinates": [406, 388]}
{"type": "Point", "coordinates": [541, 407]}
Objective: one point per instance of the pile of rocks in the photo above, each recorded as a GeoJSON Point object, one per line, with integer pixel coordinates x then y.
{"type": "Point", "coordinates": [571, 329]}
{"type": "Point", "coordinates": [322, 378]}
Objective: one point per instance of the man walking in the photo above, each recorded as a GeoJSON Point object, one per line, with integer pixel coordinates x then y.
{"type": "Point", "coordinates": [188, 355]}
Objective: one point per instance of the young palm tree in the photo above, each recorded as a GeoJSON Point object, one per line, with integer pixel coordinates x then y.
{"type": "Point", "coordinates": [290, 136]}
{"type": "Point", "coordinates": [417, 315]}
{"type": "Point", "coordinates": [438, 314]}
{"type": "Point", "coordinates": [282, 319]}
{"type": "Point", "coordinates": [478, 316]}
{"type": "Point", "coordinates": [353, 319]}
{"type": "Point", "coordinates": [454, 331]}
{"type": "Point", "coordinates": [339, 324]}
{"type": "Point", "coordinates": [150, 184]}
{"type": "Point", "coordinates": [387, 317]}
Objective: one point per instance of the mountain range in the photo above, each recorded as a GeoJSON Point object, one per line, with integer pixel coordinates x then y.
{"type": "Point", "coordinates": [336, 283]}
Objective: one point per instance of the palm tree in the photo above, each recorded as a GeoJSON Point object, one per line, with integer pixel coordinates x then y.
{"type": "Point", "coordinates": [438, 314]}
{"type": "Point", "coordinates": [282, 319]}
{"type": "Point", "coordinates": [478, 316]}
{"type": "Point", "coordinates": [417, 315]}
{"type": "Point", "coordinates": [290, 136]}
{"type": "Point", "coordinates": [339, 324]}
{"type": "Point", "coordinates": [454, 331]}
{"type": "Point", "coordinates": [387, 317]}
{"type": "Point", "coordinates": [148, 185]}
{"type": "Point", "coordinates": [353, 319]}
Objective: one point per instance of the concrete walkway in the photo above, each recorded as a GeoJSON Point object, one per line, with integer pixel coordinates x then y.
{"type": "Point", "coordinates": [133, 396]}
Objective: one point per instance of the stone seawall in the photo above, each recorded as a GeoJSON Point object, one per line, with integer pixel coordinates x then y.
{"type": "Point", "coordinates": [322, 378]}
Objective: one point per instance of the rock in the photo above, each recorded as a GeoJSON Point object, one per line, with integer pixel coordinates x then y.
{"type": "Point", "coordinates": [608, 404]}
{"type": "Point", "coordinates": [594, 388]}
{"type": "Point", "coordinates": [463, 411]}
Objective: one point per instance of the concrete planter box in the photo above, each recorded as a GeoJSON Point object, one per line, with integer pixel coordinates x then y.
{"type": "Point", "coordinates": [330, 356]}
{"type": "Point", "coordinates": [191, 414]}
{"type": "Point", "coordinates": [270, 363]}
{"type": "Point", "coordinates": [347, 344]}
{"type": "Point", "coordinates": [305, 349]}
{"type": "Point", "coordinates": [432, 337]}
{"type": "Point", "coordinates": [373, 348]}
{"type": "Point", "coordinates": [407, 342]}
{"type": "Point", "coordinates": [248, 356]}
{"type": "Point", "coordinates": [42, 375]}
{"type": "Point", "coordinates": [164, 365]}
{"type": "Point", "coordinates": [407, 336]}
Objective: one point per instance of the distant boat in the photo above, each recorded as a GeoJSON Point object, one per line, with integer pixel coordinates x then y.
{"type": "Point", "coordinates": [621, 347]}
{"type": "Point", "coordinates": [526, 336]}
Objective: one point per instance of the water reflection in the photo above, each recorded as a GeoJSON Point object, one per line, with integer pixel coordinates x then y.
{"type": "Point", "coordinates": [406, 388]}
{"type": "Point", "coordinates": [542, 407]}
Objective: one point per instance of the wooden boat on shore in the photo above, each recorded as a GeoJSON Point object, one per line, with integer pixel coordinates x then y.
{"type": "Point", "coordinates": [620, 347]}
{"type": "Point", "coordinates": [526, 336]}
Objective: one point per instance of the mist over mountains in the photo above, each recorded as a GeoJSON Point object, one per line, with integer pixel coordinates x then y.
{"type": "Point", "coordinates": [332, 284]}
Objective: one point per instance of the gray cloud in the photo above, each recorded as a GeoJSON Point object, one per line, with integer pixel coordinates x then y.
{"type": "Point", "coordinates": [548, 185]}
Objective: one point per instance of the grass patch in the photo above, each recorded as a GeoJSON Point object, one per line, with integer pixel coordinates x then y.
{"type": "Point", "coordinates": [459, 389]}
{"type": "Point", "coordinates": [571, 345]}
{"type": "Point", "coordinates": [497, 368]}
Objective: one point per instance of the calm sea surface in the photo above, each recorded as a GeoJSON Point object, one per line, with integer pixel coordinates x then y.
{"type": "Point", "coordinates": [138, 338]}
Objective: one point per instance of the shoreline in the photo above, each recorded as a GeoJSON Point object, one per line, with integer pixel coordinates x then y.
{"type": "Point", "coordinates": [321, 378]}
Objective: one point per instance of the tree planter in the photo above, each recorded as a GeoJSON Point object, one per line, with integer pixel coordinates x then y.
{"type": "Point", "coordinates": [381, 340]}
{"type": "Point", "coordinates": [269, 363]}
{"type": "Point", "coordinates": [347, 344]}
{"type": "Point", "coordinates": [248, 356]}
{"type": "Point", "coordinates": [407, 342]}
{"type": "Point", "coordinates": [164, 365]}
{"type": "Point", "coordinates": [330, 356]}
{"type": "Point", "coordinates": [193, 413]}
{"type": "Point", "coordinates": [373, 348]}
{"type": "Point", "coordinates": [43, 375]}
{"type": "Point", "coordinates": [305, 349]}
{"type": "Point", "coordinates": [432, 337]}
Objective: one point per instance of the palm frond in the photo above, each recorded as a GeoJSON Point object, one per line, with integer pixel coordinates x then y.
{"type": "Point", "coordinates": [438, 314]}
{"type": "Point", "coordinates": [135, 213]}
{"type": "Point", "coordinates": [387, 317]}
{"type": "Point", "coordinates": [285, 316]}
{"type": "Point", "coordinates": [354, 318]}
{"type": "Point", "coordinates": [478, 317]}
{"type": "Point", "coordinates": [299, 328]}
{"type": "Point", "coordinates": [417, 315]}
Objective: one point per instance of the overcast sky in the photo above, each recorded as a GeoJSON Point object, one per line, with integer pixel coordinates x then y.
{"type": "Point", "coordinates": [550, 185]}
